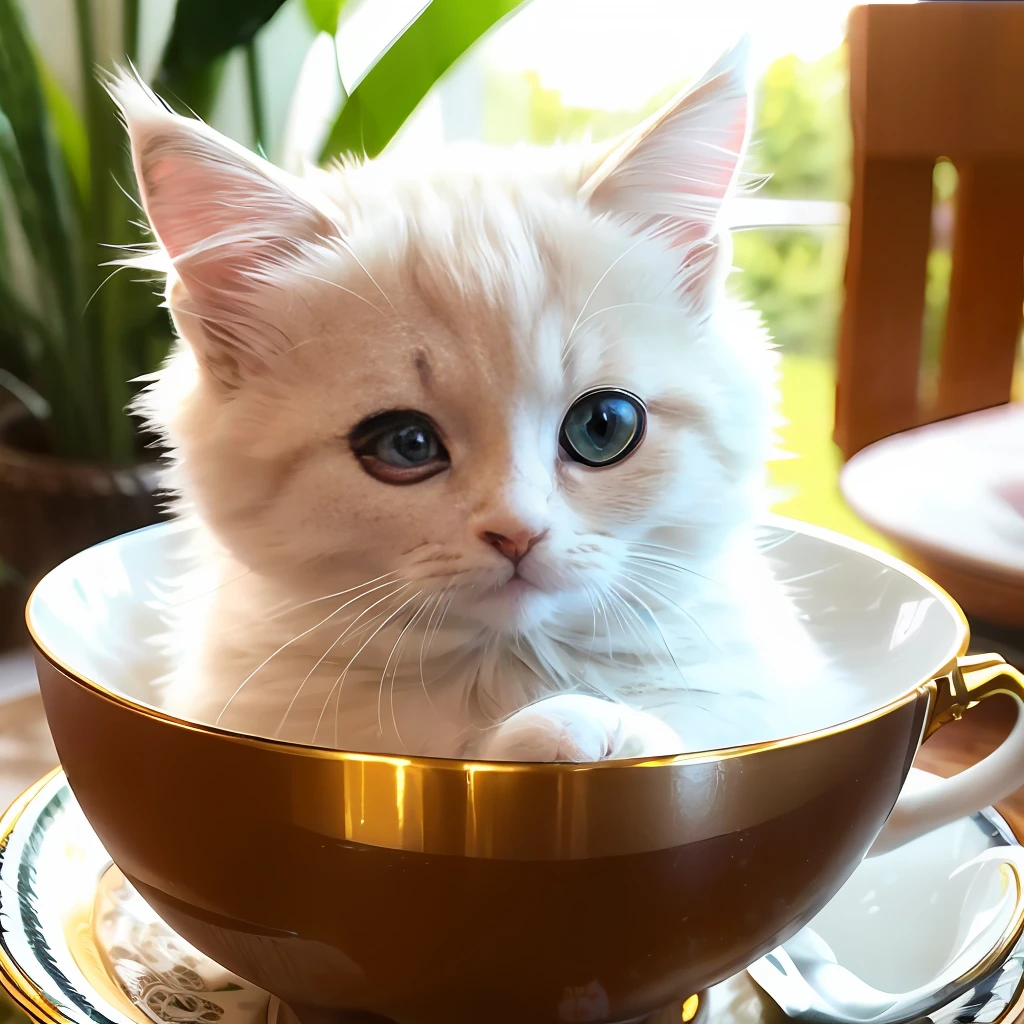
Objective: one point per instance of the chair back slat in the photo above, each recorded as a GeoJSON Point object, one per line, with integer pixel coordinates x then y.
{"type": "Point", "coordinates": [927, 81]}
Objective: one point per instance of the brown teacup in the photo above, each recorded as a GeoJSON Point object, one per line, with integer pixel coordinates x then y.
{"type": "Point", "coordinates": [426, 891]}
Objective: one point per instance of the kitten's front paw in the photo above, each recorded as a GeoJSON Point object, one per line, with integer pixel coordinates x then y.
{"type": "Point", "coordinates": [535, 736]}
{"type": "Point", "coordinates": [578, 728]}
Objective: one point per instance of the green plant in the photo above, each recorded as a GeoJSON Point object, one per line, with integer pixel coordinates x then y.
{"type": "Point", "coordinates": [75, 333]}
{"type": "Point", "coordinates": [398, 80]}
{"type": "Point", "coordinates": [202, 36]}
{"type": "Point", "coordinates": [795, 279]}
{"type": "Point", "coordinates": [802, 142]}
{"type": "Point", "coordinates": [802, 138]}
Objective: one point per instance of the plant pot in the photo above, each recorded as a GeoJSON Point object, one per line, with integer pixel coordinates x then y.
{"type": "Point", "coordinates": [52, 507]}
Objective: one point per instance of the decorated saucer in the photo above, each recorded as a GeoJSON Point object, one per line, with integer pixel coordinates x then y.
{"type": "Point", "coordinates": [929, 932]}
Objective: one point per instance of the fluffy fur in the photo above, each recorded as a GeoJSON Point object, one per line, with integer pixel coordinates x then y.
{"type": "Point", "coordinates": [486, 290]}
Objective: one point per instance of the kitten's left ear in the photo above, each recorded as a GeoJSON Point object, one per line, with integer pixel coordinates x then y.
{"type": "Point", "coordinates": [229, 222]}
{"type": "Point", "coordinates": [673, 173]}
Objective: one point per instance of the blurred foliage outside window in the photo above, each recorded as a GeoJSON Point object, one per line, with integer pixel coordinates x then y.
{"type": "Point", "coordinates": [801, 142]}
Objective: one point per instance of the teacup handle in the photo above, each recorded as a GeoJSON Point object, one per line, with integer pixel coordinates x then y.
{"type": "Point", "coordinates": [992, 779]}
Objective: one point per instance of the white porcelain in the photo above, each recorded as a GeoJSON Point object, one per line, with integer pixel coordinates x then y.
{"type": "Point", "coordinates": [940, 903]}
{"type": "Point", "coordinates": [78, 948]}
{"type": "Point", "coordinates": [885, 627]}
{"type": "Point", "coordinates": [953, 487]}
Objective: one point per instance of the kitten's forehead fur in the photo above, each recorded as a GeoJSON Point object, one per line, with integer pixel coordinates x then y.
{"type": "Point", "coordinates": [484, 290]}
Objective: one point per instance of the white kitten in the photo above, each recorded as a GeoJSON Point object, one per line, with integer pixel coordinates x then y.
{"type": "Point", "coordinates": [473, 448]}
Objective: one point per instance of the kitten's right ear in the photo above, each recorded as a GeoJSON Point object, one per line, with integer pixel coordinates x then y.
{"type": "Point", "coordinates": [672, 174]}
{"type": "Point", "coordinates": [227, 220]}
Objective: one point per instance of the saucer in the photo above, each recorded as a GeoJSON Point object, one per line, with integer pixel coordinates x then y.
{"type": "Point", "coordinates": [931, 930]}
{"type": "Point", "coordinates": [78, 945]}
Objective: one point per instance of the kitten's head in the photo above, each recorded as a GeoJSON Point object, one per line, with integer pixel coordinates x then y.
{"type": "Point", "coordinates": [497, 375]}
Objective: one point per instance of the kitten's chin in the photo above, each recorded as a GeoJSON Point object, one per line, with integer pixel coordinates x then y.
{"type": "Point", "coordinates": [514, 607]}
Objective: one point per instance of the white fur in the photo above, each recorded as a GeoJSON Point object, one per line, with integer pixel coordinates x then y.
{"type": "Point", "coordinates": [340, 610]}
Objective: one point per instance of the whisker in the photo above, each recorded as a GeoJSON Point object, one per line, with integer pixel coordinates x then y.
{"type": "Point", "coordinates": [340, 681]}
{"type": "Point", "coordinates": [620, 619]}
{"type": "Point", "coordinates": [454, 588]}
{"type": "Point", "coordinates": [604, 611]}
{"type": "Point", "coordinates": [638, 578]}
{"type": "Point", "coordinates": [362, 266]}
{"type": "Point", "coordinates": [617, 593]}
{"type": "Point", "coordinates": [440, 622]}
{"type": "Point", "coordinates": [169, 605]}
{"type": "Point", "coordinates": [607, 625]}
{"type": "Point", "coordinates": [266, 661]}
{"type": "Point", "coordinates": [295, 639]}
{"type": "Point", "coordinates": [623, 305]}
{"type": "Point", "coordinates": [663, 547]}
{"type": "Point", "coordinates": [341, 288]}
{"type": "Point", "coordinates": [667, 569]}
{"type": "Point", "coordinates": [437, 598]}
{"type": "Point", "coordinates": [638, 574]}
{"type": "Point", "coordinates": [367, 626]}
{"type": "Point", "coordinates": [593, 625]}
{"type": "Point", "coordinates": [669, 565]}
{"type": "Point", "coordinates": [394, 675]}
{"type": "Point", "coordinates": [325, 655]}
{"type": "Point", "coordinates": [618, 259]}
{"type": "Point", "coordinates": [328, 597]}
{"type": "Point", "coordinates": [661, 632]}
{"type": "Point", "coordinates": [771, 546]}
{"type": "Point", "coordinates": [105, 281]}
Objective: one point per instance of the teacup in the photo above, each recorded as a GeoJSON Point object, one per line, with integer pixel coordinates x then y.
{"type": "Point", "coordinates": [366, 888]}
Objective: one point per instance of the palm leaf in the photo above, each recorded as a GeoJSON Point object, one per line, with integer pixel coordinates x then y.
{"type": "Point", "coordinates": [394, 86]}
{"type": "Point", "coordinates": [16, 355]}
{"type": "Point", "coordinates": [30, 348]}
{"type": "Point", "coordinates": [49, 212]}
{"type": "Point", "coordinates": [26, 202]}
{"type": "Point", "coordinates": [204, 31]}
{"type": "Point", "coordinates": [324, 14]}
{"type": "Point", "coordinates": [70, 130]}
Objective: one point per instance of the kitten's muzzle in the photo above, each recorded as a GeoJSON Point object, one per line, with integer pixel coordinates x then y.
{"type": "Point", "coordinates": [514, 545]}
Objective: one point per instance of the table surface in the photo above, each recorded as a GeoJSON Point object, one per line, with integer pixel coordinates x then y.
{"type": "Point", "coordinates": [26, 751]}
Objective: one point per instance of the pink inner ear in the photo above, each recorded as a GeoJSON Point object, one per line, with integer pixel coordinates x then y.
{"type": "Point", "coordinates": [724, 138]}
{"type": "Point", "coordinates": [673, 174]}
{"type": "Point", "coordinates": [195, 212]}
{"type": "Point", "coordinates": [216, 213]}
{"type": "Point", "coordinates": [707, 167]}
{"type": "Point", "coordinates": [179, 194]}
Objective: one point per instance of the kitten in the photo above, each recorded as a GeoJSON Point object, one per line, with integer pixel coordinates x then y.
{"type": "Point", "coordinates": [474, 447]}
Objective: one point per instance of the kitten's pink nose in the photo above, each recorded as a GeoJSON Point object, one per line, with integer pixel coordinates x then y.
{"type": "Point", "coordinates": [513, 544]}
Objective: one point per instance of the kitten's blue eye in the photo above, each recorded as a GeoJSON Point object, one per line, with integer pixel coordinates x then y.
{"type": "Point", "coordinates": [399, 447]}
{"type": "Point", "coordinates": [603, 427]}
{"type": "Point", "coordinates": [408, 446]}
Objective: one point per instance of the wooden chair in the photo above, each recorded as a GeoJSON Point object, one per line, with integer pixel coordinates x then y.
{"type": "Point", "coordinates": [941, 478]}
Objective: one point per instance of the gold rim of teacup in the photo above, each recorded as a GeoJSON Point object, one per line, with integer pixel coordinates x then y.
{"type": "Point", "coordinates": [944, 668]}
